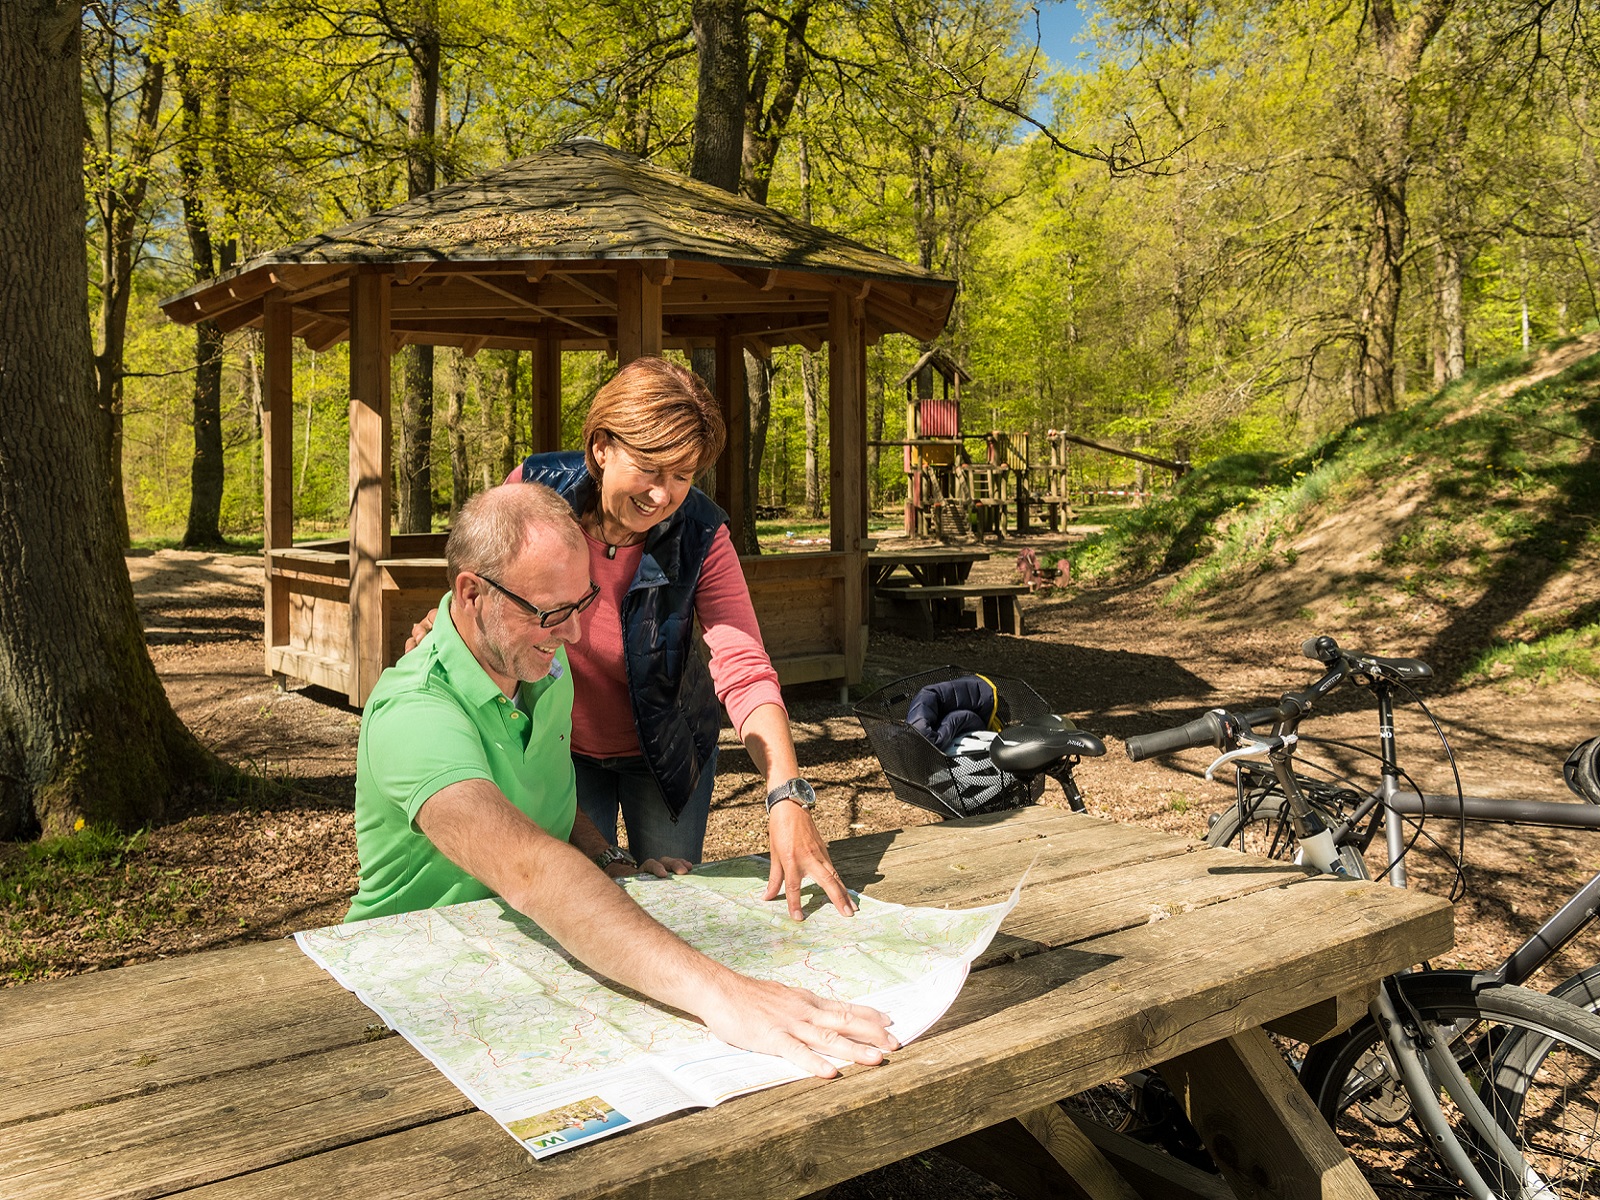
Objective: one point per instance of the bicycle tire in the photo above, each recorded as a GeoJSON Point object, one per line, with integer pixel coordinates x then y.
{"type": "Point", "coordinates": [1582, 989]}
{"type": "Point", "coordinates": [1534, 1058]}
{"type": "Point", "coordinates": [1266, 831]}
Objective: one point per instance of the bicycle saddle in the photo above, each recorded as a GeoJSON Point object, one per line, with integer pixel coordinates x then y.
{"type": "Point", "coordinates": [1039, 741]}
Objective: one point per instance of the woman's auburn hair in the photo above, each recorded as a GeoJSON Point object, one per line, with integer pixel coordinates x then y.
{"type": "Point", "coordinates": [664, 414]}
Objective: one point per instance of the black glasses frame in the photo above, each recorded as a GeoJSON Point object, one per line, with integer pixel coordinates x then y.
{"type": "Point", "coordinates": [554, 616]}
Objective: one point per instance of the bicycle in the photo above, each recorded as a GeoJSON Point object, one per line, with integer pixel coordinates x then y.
{"type": "Point", "coordinates": [1258, 821]}
{"type": "Point", "coordinates": [1459, 1082]}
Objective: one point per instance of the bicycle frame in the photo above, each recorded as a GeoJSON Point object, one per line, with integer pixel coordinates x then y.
{"type": "Point", "coordinates": [1557, 930]}
{"type": "Point", "coordinates": [1423, 1062]}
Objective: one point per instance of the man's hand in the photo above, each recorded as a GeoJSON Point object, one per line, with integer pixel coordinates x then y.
{"type": "Point", "coordinates": [420, 629]}
{"type": "Point", "coordinates": [795, 1024]}
{"type": "Point", "coordinates": [798, 851]}
{"type": "Point", "coordinates": [659, 867]}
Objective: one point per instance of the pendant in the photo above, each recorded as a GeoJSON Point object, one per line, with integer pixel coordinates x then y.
{"type": "Point", "coordinates": [611, 551]}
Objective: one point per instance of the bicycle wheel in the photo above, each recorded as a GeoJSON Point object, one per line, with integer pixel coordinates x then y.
{"type": "Point", "coordinates": [1533, 1059]}
{"type": "Point", "coordinates": [1265, 830]}
{"type": "Point", "coordinates": [1583, 989]}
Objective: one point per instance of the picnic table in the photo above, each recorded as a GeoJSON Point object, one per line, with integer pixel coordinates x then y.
{"type": "Point", "coordinates": [249, 1072]}
{"type": "Point", "coordinates": [928, 566]}
{"type": "Point", "coordinates": [934, 590]}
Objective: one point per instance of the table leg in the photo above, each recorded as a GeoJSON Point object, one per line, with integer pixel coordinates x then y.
{"type": "Point", "coordinates": [1262, 1130]}
{"type": "Point", "coordinates": [1042, 1155]}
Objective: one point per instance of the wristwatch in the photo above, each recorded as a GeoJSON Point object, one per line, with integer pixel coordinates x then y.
{"type": "Point", "coordinates": [614, 854]}
{"type": "Point", "coordinates": [796, 789]}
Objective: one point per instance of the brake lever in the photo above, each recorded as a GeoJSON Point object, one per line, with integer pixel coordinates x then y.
{"type": "Point", "coordinates": [1253, 745]}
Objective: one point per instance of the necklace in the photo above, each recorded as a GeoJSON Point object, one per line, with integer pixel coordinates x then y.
{"type": "Point", "coordinates": [612, 547]}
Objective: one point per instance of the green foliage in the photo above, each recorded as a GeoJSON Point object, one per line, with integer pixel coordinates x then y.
{"type": "Point", "coordinates": [92, 885]}
{"type": "Point", "coordinates": [1503, 494]}
{"type": "Point", "coordinates": [1168, 533]}
{"type": "Point", "coordinates": [1567, 653]}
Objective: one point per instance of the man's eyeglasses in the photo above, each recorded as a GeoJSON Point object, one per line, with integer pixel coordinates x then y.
{"type": "Point", "coordinates": [553, 616]}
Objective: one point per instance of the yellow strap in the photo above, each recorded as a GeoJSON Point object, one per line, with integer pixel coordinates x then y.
{"type": "Point", "coordinates": [994, 714]}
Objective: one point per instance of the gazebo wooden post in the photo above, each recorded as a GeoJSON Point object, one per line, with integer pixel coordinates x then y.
{"type": "Point", "coordinates": [369, 477]}
{"type": "Point", "coordinates": [735, 460]}
{"type": "Point", "coordinates": [277, 462]}
{"type": "Point", "coordinates": [847, 462]}
{"type": "Point", "coordinates": [546, 418]}
{"type": "Point", "coordinates": [638, 315]}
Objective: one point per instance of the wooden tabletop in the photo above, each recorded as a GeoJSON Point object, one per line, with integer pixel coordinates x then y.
{"type": "Point", "coordinates": [249, 1072]}
{"type": "Point", "coordinates": [925, 564]}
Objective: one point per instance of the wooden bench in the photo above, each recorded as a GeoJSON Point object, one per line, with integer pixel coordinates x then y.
{"type": "Point", "coordinates": [944, 604]}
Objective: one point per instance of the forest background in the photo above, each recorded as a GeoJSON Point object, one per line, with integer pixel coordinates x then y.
{"type": "Point", "coordinates": [1218, 228]}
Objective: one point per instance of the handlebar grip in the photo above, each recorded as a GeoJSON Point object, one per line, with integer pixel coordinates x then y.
{"type": "Point", "coordinates": [1203, 731]}
{"type": "Point", "coordinates": [1323, 649]}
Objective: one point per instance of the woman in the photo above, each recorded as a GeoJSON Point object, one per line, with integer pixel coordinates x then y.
{"type": "Point", "coordinates": [645, 714]}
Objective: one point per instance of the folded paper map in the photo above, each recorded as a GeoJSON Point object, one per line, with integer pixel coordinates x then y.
{"type": "Point", "coordinates": [559, 1056]}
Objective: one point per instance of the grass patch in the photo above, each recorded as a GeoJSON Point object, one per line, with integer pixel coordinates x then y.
{"type": "Point", "coordinates": [91, 886]}
{"type": "Point", "coordinates": [1569, 653]}
{"type": "Point", "coordinates": [1502, 486]}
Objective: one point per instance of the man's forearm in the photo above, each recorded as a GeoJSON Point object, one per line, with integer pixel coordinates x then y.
{"type": "Point", "coordinates": [557, 886]}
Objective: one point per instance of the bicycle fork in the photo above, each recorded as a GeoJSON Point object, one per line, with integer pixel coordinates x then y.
{"type": "Point", "coordinates": [1425, 1063]}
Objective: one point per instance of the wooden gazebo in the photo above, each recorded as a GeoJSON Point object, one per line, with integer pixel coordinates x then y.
{"type": "Point", "coordinates": [580, 247]}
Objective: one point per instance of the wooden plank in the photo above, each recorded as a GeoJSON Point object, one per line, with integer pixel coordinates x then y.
{"type": "Point", "coordinates": [1008, 1155]}
{"type": "Point", "coordinates": [277, 461]}
{"type": "Point", "coordinates": [1020, 1035]}
{"type": "Point", "coordinates": [1154, 1174]}
{"type": "Point", "coordinates": [818, 564]}
{"type": "Point", "coordinates": [170, 1140]}
{"type": "Point", "coordinates": [952, 591]}
{"type": "Point", "coordinates": [148, 1027]}
{"type": "Point", "coordinates": [158, 1024]}
{"type": "Point", "coordinates": [1262, 1129]}
{"type": "Point", "coordinates": [1060, 1136]}
{"type": "Point", "coordinates": [808, 668]}
{"type": "Point", "coordinates": [320, 669]}
{"type": "Point", "coordinates": [369, 477]}
{"type": "Point", "coordinates": [1326, 1017]}
{"type": "Point", "coordinates": [546, 417]}
{"type": "Point", "coordinates": [638, 316]}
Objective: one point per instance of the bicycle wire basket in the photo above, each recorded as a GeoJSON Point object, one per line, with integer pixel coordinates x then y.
{"type": "Point", "coordinates": [924, 775]}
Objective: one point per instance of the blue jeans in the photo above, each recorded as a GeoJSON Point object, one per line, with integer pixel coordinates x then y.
{"type": "Point", "coordinates": [609, 785]}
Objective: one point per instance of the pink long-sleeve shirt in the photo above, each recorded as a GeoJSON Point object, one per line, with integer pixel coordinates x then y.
{"type": "Point", "coordinates": [741, 673]}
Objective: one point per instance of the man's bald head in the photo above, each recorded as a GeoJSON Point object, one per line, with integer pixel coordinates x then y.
{"type": "Point", "coordinates": [495, 526]}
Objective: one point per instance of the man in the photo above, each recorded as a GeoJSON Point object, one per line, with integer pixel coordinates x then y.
{"type": "Point", "coordinates": [464, 788]}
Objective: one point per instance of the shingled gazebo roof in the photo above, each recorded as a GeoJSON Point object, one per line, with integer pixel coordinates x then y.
{"type": "Point", "coordinates": [526, 250]}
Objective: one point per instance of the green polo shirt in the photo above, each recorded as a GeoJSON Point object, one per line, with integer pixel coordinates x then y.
{"type": "Point", "coordinates": [436, 718]}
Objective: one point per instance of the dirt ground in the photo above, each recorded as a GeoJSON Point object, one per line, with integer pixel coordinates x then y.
{"type": "Point", "coordinates": [1116, 660]}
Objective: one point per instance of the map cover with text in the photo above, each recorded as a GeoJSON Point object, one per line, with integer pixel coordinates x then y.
{"type": "Point", "coordinates": [559, 1056]}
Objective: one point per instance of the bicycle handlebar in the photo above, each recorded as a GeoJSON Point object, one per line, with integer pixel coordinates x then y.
{"type": "Point", "coordinates": [1217, 728]}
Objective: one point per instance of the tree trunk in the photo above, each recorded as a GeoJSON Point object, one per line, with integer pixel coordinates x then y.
{"type": "Point", "coordinates": [723, 77]}
{"type": "Point", "coordinates": [205, 468]}
{"type": "Point", "coordinates": [120, 193]}
{"type": "Point", "coordinates": [85, 728]}
{"type": "Point", "coordinates": [1387, 161]}
{"type": "Point", "coordinates": [717, 154]}
{"type": "Point", "coordinates": [460, 477]}
{"type": "Point", "coordinates": [758, 393]}
{"type": "Point", "coordinates": [808, 384]}
{"type": "Point", "coordinates": [414, 463]}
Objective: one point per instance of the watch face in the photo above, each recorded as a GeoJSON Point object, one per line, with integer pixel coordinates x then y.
{"type": "Point", "coordinates": [802, 791]}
